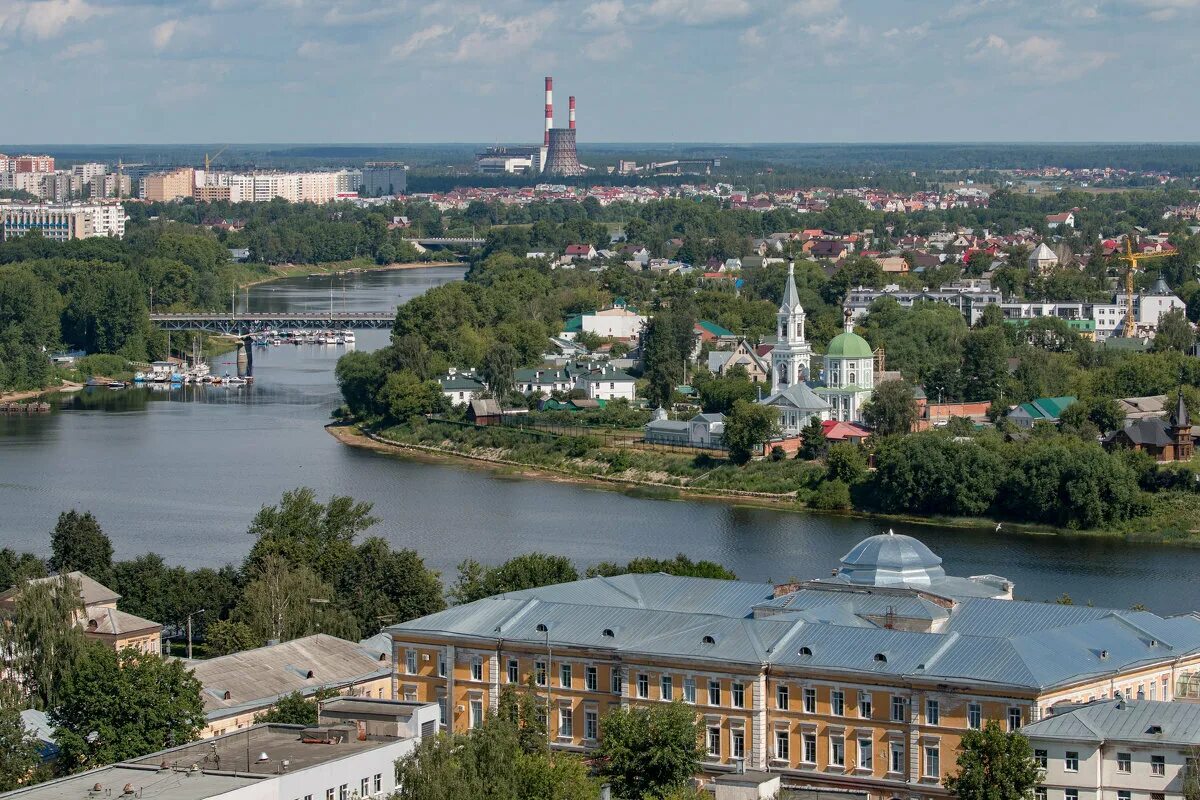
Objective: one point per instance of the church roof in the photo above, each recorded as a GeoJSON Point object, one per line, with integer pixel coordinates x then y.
{"type": "Point", "coordinates": [1043, 253]}
{"type": "Point", "coordinates": [891, 558]}
{"type": "Point", "coordinates": [791, 298]}
{"type": "Point", "coordinates": [848, 345]}
{"type": "Point", "coordinates": [798, 395]}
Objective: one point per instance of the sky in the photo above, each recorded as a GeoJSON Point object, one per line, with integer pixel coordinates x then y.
{"type": "Point", "coordinates": [195, 71]}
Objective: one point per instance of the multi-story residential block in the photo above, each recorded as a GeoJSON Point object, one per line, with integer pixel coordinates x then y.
{"type": "Point", "coordinates": [60, 223]}
{"type": "Point", "coordinates": [32, 163]}
{"type": "Point", "coordinates": [1119, 749]}
{"type": "Point", "coordinates": [166, 187]}
{"type": "Point", "coordinates": [384, 178]}
{"type": "Point", "coordinates": [865, 680]}
{"type": "Point", "coordinates": [969, 297]}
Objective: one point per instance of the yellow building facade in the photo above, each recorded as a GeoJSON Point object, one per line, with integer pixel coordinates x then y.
{"type": "Point", "coordinates": [837, 683]}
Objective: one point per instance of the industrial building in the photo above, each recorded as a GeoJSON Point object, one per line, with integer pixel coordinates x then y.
{"type": "Point", "coordinates": [556, 155]}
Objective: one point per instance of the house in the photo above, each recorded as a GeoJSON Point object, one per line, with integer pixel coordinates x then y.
{"type": "Point", "coordinates": [546, 380]}
{"type": "Point", "coordinates": [355, 743]}
{"type": "Point", "coordinates": [585, 252]}
{"type": "Point", "coordinates": [461, 386]}
{"type": "Point", "coordinates": [1066, 220]}
{"type": "Point", "coordinates": [607, 383]}
{"type": "Point", "coordinates": [1164, 440]}
{"type": "Point", "coordinates": [711, 332]}
{"type": "Point", "coordinates": [100, 618]}
{"type": "Point", "coordinates": [1043, 409]}
{"type": "Point", "coordinates": [561, 350]}
{"type": "Point", "coordinates": [702, 430]}
{"type": "Point", "coordinates": [1121, 747]}
{"type": "Point", "coordinates": [237, 687]}
{"type": "Point", "coordinates": [618, 321]}
{"type": "Point", "coordinates": [743, 355]}
{"type": "Point", "coordinates": [1150, 407]}
{"type": "Point", "coordinates": [1042, 259]}
{"type": "Point", "coordinates": [838, 431]}
{"type": "Point", "coordinates": [485, 411]}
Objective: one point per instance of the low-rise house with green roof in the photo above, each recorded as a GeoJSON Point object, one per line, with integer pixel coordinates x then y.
{"type": "Point", "coordinates": [711, 333]}
{"type": "Point", "coordinates": [461, 386]}
{"type": "Point", "coordinates": [1043, 409]}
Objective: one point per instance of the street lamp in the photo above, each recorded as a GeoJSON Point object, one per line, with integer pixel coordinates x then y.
{"type": "Point", "coordinates": [196, 613]}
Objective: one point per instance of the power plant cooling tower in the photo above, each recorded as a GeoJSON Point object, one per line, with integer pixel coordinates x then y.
{"type": "Point", "coordinates": [561, 158]}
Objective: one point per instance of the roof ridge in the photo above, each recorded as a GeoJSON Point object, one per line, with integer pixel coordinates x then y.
{"type": "Point", "coordinates": [1120, 615]}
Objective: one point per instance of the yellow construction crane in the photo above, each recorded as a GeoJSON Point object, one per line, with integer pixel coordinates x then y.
{"type": "Point", "coordinates": [209, 159]}
{"type": "Point", "coordinates": [1133, 258]}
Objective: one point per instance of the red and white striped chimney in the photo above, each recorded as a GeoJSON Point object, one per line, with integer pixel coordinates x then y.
{"type": "Point", "coordinates": [571, 104]}
{"type": "Point", "coordinates": [549, 109]}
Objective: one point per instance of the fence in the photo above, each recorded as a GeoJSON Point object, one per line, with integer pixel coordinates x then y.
{"type": "Point", "coordinates": [606, 437]}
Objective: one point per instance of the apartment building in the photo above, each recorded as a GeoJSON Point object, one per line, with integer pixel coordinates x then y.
{"type": "Point", "coordinates": [864, 680]}
{"type": "Point", "coordinates": [62, 222]}
{"type": "Point", "coordinates": [1120, 749]}
{"type": "Point", "coordinates": [294, 187]}
{"type": "Point", "coordinates": [969, 297]}
{"type": "Point", "coordinates": [167, 187]}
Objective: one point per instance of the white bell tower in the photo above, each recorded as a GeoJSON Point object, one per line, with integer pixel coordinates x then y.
{"type": "Point", "coordinates": [792, 355]}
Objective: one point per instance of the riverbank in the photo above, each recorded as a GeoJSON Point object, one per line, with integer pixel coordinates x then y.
{"type": "Point", "coordinates": [33, 394]}
{"type": "Point", "coordinates": [353, 436]}
{"type": "Point", "coordinates": [277, 271]}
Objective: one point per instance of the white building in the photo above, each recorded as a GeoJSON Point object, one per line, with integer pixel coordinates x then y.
{"type": "Point", "coordinates": [617, 322]}
{"type": "Point", "coordinates": [350, 752]}
{"type": "Point", "coordinates": [849, 377]}
{"type": "Point", "coordinates": [791, 357]}
{"type": "Point", "coordinates": [970, 297]}
{"type": "Point", "coordinates": [1118, 749]}
{"type": "Point", "coordinates": [461, 386]}
{"type": "Point", "coordinates": [607, 383]}
{"type": "Point", "coordinates": [1042, 259]}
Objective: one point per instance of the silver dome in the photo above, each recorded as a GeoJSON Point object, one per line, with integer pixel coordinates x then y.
{"type": "Point", "coordinates": [890, 559]}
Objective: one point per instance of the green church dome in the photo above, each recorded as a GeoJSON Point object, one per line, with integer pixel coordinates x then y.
{"type": "Point", "coordinates": [849, 345]}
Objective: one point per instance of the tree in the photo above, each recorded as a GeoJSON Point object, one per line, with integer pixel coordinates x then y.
{"type": "Point", "coordinates": [1174, 332]}
{"type": "Point", "coordinates": [305, 532]}
{"type": "Point", "coordinates": [892, 409]}
{"type": "Point", "coordinates": [498, 367]}
{"type": "Point", "coordinates": [814, 444]}
{"type": "Point", "coordinates": [994, 765]}
{"type": "Point", "coordinates": [295, 708]}
{"type": "Point", "coordinates": [123, 705]}
{"type": "Point", "coordinates": [226, 636]}
{"type": "Point", "coordinates": [20, 757]}
{"type": "Point", "coordinates": [527, 571]}
{"type": "Point", "coordinates": [1191, 776]}
{"type": "Point", "coordinates": [361, 376]}
{"type": "Point", "coordinates": [747, 427]}
{"type": "Point", "coordinates": [667, 344]}
{"type": "Point", "coordinates": [646, 751]}
{"type": "Point", "coordinates": [19, 567]}
{"type": "Point", "coordinates": [679, 565]}
{"type": "Point", "coordinates": [284, 602]}
{"type": "Point", "coordinates": [384, 586]}
{"type": "Point", "coordinates": [719, 394]}
{"type": "Point", "coordinates": [405, 396]}
{"type": "Point", "coordinates": [43, 636]}
{"type": "Point", "coordinates": [985, 363]}
{"type": "Point", "coordinates": [846, 463]}
{"type": "Point", "coordinates": [78, 543]}
{"type": "Point", "coordinates": [932, 473]}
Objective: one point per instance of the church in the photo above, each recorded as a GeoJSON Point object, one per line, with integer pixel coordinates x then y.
{"type": "Point", "coordinates": [847, 378]}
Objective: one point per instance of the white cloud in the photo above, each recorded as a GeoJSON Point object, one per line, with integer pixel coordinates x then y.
{"type": "Point", "coordinates": [83, 50]}
{"type": "Point", "coordinates": [807, 9]}
{"type": "Point", "coordinates": [752, 39]}
{"type": "Point", "coordinates": [1163, 10]}
{"type": "Point", "coordinates": [418, 40]}
{"type": "Point", "coordinates": [44, 19]}
{"type": "Point", "coordinates": [698, 12]}
{"type": "Point", "coordinates": [1043, 58]}
{"type": "Point", "coordinates": [604, 15]}
{"type": "Point", "coordinates": [504, 39]}
{"type": "Point", "coordinates": [161, 34]}
{"type": "Point", "coordinates": [913, 32]}
{"type": "Point", "coordinates": [609, 47]}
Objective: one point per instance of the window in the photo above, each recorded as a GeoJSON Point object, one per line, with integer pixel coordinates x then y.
{"type": "Point", "coordinates": [737, 743]}
{"type": "Point", "coordinates": [441, 665]}
{"type": "Point", "coordinates": [1124, 762]}
{"type": "Point", "coordinates": [714, 693]}
{"type": "Point", "coordinates": [1158, 765]}
{"type": "Point", "coordinates": [1040, 757]}
{"type": "Point", "coordinates": [566, 722]}
{"type": "Point", "coordinates": [329, 794]}
{"type": "Point", "coordinates": [897, 709]}
{"type": "Point", "coordinates": [837, 703]}
{"type": "Point", "coordinates": [378, 784]}
{"type": "Point", "coordinates": [837, 751]}
{"type": "Point", "coordinates": [932, 714]}
{"type": "Point", "coordinates": [738, 691]}
{"type": "Point", "coordinates": [643, 685]}
{"type": "Point", "coordinates": [810, 701]}
{"type": "Point", "coordinates": [476, 713]}
{"type": "Point", "coordinates": [1157, 796]}
{"type": "Point", "coordinates": [1070, 794]}
{"type": "Point", "coordinates": [781, 697]}
{"type": "Point", "coordinates": [689, 690]}
{"type": "Point", "coordinates": [365, 787]}
{"type": "Point", "coordinates": [1071, 761]}
{"type": "Point", "coordinates": [441, 701]}
{"type": "Point", "coordinates": [1014, 718]}
{"type": "Point", "coordinates": [617, 681]}
{"type": "Point", "coordinates": [864, 705]}
{"type": "Point", "coordinates": [783, 743]}
{"type": "Point", "coordinates": [896, 761]}
{"type": "Point", "coordinates": [539, 673]}
{"type": "Point", "coordinates": [591, 724]}
{"type": "Point", "coordinates": [809, 748]}
{"type": "Point", "coordinates": [1123, 794]}
{"type": "Point", "coordinates": [865, 754]}
{"type": "Point", "coordinates": [974, 716]}
{"type": "Point", "coordinates": [1039, 793]}
{"type": "Point", "coordinates": [514, 671]}
{"type": "Point", "coordinates": [933, 761]}
{"type": "Point", "coordinates": [344, 791]}
{"type": "Point", "coordinates": [714, 741]}
{"type": "Point", "coordinates": [564, 676]}
{"type": "Point", "coordinates": [410, 662]}
{"type": "Point", "coordinates": [589, 678]}
{"type": "Point", "coordinates": [1153, 687]}
{"type": "Point", "coordinates": [477, 669]}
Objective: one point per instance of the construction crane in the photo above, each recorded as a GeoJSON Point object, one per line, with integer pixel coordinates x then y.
{"type": "Point", "coordinates": [209, 159]}
{"type": "Point", "coordinates": [1133, 258]}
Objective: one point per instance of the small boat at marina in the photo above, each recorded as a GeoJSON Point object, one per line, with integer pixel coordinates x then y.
{"type": "Point", "coordinates": [236, 381]}
{"type": "Point", "coordinates": [117, 384]}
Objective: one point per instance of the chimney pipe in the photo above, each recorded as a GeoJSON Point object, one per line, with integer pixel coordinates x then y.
{"type": "Point", "coordinates": [549, 109]}
{"type": "Point", "coordinates": [571, 105]}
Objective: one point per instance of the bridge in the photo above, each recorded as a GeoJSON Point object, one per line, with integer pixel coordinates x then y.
{"type": "Point", "coordinates": [450, 241]}
{"type": "Point", "coordinates": [248, 322]}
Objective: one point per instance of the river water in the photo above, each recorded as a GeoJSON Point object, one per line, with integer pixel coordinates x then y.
{"type": "Point", "coordinates": [182, 472]}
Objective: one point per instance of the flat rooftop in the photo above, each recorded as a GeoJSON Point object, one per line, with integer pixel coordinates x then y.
{"type": "Point", "coordinates": [222, 765]}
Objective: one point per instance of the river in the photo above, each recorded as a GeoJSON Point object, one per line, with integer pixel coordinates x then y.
{"type": "Point", "coordinates": [182, 472]}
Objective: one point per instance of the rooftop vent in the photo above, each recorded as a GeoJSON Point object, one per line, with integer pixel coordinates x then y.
{"type": "Point", "coordinates": [709, 640]}
{"type": "Point", "coordinates": [310, 674]}
{"type": "Point", "coordinates": [542, 628]}
{"type": "Point", "coordinates": [881, 658]}
{"type": "Point", "coordinates": [228, 695]}
{"type": "Point", "coordinates": [263, 757]}
{"type": "Point", "coordinates": [1154, 730]}
{"type": "Point", "coordinates": [607, 632]}
{"type": "Point", "coordinates": [806, 651]}
{"type": "Point", "coordinates": [1103, 654]}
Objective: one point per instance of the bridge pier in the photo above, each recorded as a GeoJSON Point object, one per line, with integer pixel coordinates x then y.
{"type": "Point", "coordinates": [245, 356]}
